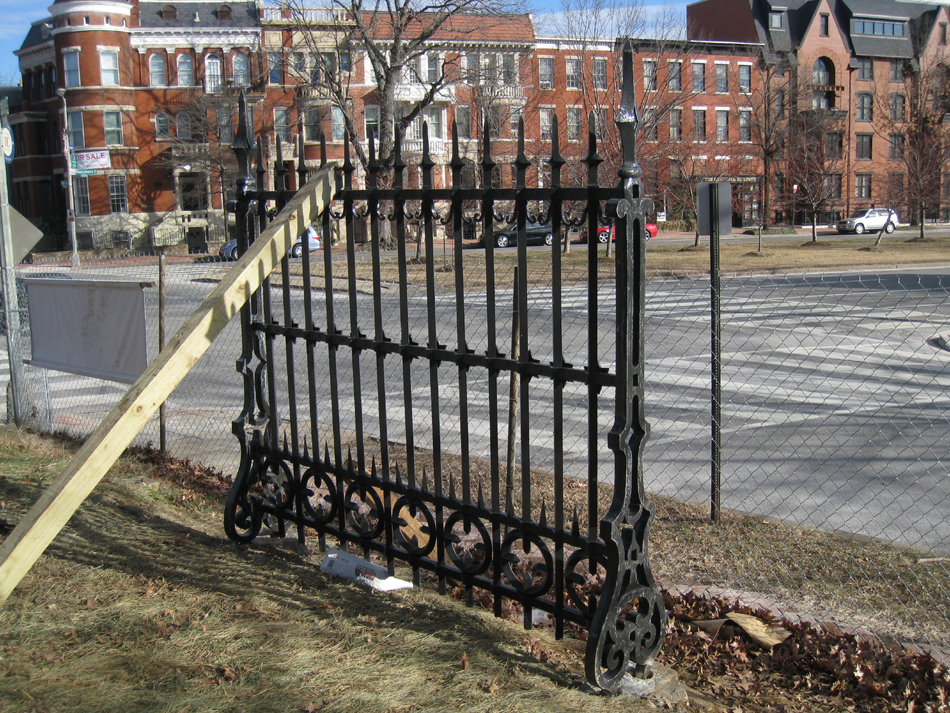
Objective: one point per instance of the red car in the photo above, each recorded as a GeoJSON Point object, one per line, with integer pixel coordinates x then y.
{"type": "Point", "coordinates": [605, 230]}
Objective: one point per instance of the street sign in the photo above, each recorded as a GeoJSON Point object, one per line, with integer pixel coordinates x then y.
{"type": "Point", "coordinates": [6, 142]}
{"type": "Point", "coordinates": [85, 172]}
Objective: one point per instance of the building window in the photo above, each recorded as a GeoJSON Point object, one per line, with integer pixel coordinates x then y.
{"type": "Point", "coordinates": [545, 117]}
{"type": "Point", "coordinates": [339, 123]}
{"type": "Point", "coordinates": [779, 187]}
{"type": "Point", "coordinates": [311, 125]}
{"type": "Point", "coordinates": [865, 67]}
{"type": "Point", "coordinates": [675, 76]}
{"type": "Point", "coordinates": [600, 73]}
{"type": "Point", "coordinates": [109, 68]}
{"type": "Point", "coordinates": [650, 128]}
{"type": "Point", "coordinates": [169, 13]}
{"type": "Point", "coordinates": [81, 195]}
{"type": "Point", "coordinates": [242, 77]}
{"type": "Point", "coordinates": [943, 33]}
{"type": "Point", "coordinates": [112, 123]}
{"type": "Point", "coordinates": [71, 69]}
{"type": "Point", "coordinates": [699, 124]}
{"type": "Point", "coordinates": [282, 123]}
{"type": "Point", "coordinates": [42, 87]}
{"type": "Point", "coordinates": [162, 129]}
{"type": "Point", "coordinates": [896, 103]}
{"type": "Point", "coordinates": [344, 61]}
{"type": "Point", "coordinates": [862, 147]}
{"type": "Point", "coordinates": [865, 108]}
{"type": "Point", "coordinates": [862, 186]}
{"type": "Point", "coordinates": [572, 71]}
{"type": "Point", "coordinates": [877, 27]}
{"type": "Point", "coordinates": [778, 103]}
{"type": "Point", "coordinates": [186, 71]}
{"type": "Point", "coordinates": [649, 75]}
{"type": "Point", "coordinates": [225, 123]}
{"type": "Point", "coordinates": [212, 74]}
{"type": "Point", "coordinates": [275, 72]}
{"type": "Point", "coordinates": [573, 123]}
{"type": "Point", "coordinates": [77, 138]}
{"type": "Point", "coordinates": [745, 78]}
{"type": "Point", "coordinates": [371, 121]}
{"type": "Point", "coordinates": [156, 70]}
{"type": "Point", "coordinates": [823, 24]}
{"type": "Point", "coordinates": [514, 117]}
{"type": "Point", "coordinates": [775, 20]}
{"type": "Point", "coordinates": [897, 71]}
{"type": "Point", "coordinates": [832, 185]}
{"type": "Point", "coordinates": [118, 195]}
{"type": "Point", "coordinates": [676, 124]}
{"type": "Point", "coordinates": [833, 145]}
{"type": "Point", "coordinates": [699, 77]}
{"type": "Point", "coordinates": [224, 13]}
{"type": "Point", "coordinates": [433, 67]}
{"type": "Point", "coordinates": [433, 118]}
{"type": "Point", "coordinates": [509, 74]}
{"type": "Point", "coordinates": [722, 125]}
{"type": "Point", "coordinates": [463, 122]}
{"type": "Point", "coordinates": [895, 143]}
{"type": "Point", "coordinates": [546, 73]}
{"type": "Point", "coordinates": [722, 78]}
{"type": "Point", "coordinates": [183, 125]}
{"type": "Point", "coordinates": [745, 125]}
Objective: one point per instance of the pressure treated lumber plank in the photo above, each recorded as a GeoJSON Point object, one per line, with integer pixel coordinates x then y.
{"type": "Point", "coordinates": [84, 471]}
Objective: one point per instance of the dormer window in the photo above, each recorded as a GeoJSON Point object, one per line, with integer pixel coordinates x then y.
{"type": "Point", "coordinates": [775, 20]}
{"type": "Point", "coordinates": [224, 12]}
{"type": "Point", "coordinates": [169, 13]}
{"type": "Point", "coordinates": [879, 27]}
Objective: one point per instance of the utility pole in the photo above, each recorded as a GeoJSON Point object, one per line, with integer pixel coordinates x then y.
{"type": "Point", "coordinates": [11, 305]}
{"type": "Point", "coordinates": [70, 202]}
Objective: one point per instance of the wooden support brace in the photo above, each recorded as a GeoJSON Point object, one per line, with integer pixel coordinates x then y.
{"type": "Point", "coordinates": [84, 471]}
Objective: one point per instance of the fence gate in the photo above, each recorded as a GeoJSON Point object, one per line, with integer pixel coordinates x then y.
{"type": "Point", "coordinates": [343, 380]}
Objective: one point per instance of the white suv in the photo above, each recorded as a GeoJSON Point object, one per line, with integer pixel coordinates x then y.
{"type": "Point", "coordinates": [869, 219]}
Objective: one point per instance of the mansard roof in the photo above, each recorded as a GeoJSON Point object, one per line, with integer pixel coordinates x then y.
{"type": "Point", "coordinates": [463, 28]}
{"type": "Point", "coordinates": [200, 15]}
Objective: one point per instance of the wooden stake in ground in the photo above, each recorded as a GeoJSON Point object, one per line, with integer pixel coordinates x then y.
{"type": "Point", "coordinates": [84, 471]}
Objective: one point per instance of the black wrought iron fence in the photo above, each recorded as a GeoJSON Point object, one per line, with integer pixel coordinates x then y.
{"type": "Point", "coordinates": [403, 422]}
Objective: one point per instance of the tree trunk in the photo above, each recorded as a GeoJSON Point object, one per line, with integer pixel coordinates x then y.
{"type": "Point", "coordinates": [814, 226]}
{"type": "Point", "coordinates": [921, 221]}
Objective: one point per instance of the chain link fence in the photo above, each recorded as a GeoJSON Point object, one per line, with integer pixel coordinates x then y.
{"type": "Point", "coordinates": [835, 479]}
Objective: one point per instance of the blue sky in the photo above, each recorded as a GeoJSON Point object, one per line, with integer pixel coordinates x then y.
{"type": "Point", "coordinates": [18, 14]}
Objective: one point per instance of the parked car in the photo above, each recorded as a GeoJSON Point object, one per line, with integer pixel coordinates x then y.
{"type": "Point", "coordinates": [229, 250]}
{"type": "Point", "coordinates": [869, 219]}
{"type": "Point", "coordinates": [535, 233]}
{"type": "Point", "coordinates": [608, 230]}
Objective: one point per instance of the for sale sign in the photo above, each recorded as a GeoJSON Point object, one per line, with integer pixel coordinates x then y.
{"type": "Point", "coordinates": [91, 160]}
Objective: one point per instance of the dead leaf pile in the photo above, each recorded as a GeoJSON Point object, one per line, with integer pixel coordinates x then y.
{"type": "Point", "coordinates": [196, 481]}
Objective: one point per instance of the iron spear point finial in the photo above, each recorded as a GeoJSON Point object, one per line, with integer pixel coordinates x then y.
{"type": "Point", "coordinates": [628, 119]}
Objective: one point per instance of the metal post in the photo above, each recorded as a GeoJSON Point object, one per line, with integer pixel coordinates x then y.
{"type": "Point", "coordinates": [716, 350]}
{"type": "Point", "coordinates": [11, 304]}
{"type": "Point", "coordinates": [161, 341]}
{"type": "Point", "coordinates": [70, 202]}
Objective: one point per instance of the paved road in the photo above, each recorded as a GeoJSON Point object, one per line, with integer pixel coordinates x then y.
{"type": "Point", "coordinates": [835, 405]}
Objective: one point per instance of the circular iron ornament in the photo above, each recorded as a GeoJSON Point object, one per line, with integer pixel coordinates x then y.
{"type": "Point", "coordinates": [463, 560]}
{"type": "Point", "coordinates": [275, 481]}
{"type": "Point", "coordinates": [359, 518]}
{"type": "Point", "coordinates": [633, 633]}
{"type": "Point", "coordinates": [573, 579]}
{"type": "Point", "coordinates": [511, 559]}
{"type": "Point", "coordinates": [318, 505]}
{"type": "Point", "coordinates": [408, 533]}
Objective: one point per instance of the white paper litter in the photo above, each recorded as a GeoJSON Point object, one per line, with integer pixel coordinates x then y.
{"type": "Point", "coordinates": [361, 571]}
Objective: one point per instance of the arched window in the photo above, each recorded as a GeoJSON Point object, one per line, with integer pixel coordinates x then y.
{"type": "Point", "coordinates": [186, 70]}
{"type": "Point", "coordinates": [156, 70]}
{"type": "Point", "coordinates": [169, 13]}
{"type": "Point", "coordinates": [224, 12]}
{"type": "Point", "coordinates": [823, 72]}
{"type": "Point", "coordinates": [183, 125]}
{"type": "Point", "coordinates": [242, 77]}
{"type": "Point", "coordinates": [161, 126]}
{"type": "Point", "coordinates": [212, 74]}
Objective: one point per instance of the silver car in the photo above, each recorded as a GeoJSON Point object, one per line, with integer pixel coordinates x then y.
{"type": "Point", "coordinates": [869, 219]}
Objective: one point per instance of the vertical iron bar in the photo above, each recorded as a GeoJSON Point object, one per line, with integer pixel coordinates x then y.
{"type": "Point", "coordinates": [593, 160]}
{"type": "Point", "coordinates": [716, 350]}
{"type": "Point", "coordinates": [161, 344]}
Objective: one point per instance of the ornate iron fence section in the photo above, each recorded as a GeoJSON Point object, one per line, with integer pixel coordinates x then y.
{"type": "Point", "coordinates": [342, 378]}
